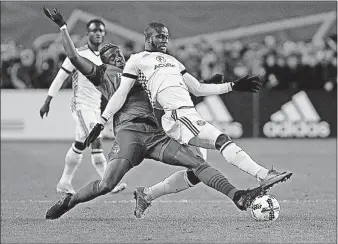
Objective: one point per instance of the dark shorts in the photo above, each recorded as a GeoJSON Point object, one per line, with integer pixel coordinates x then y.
{"type": "Point", "coordinates": [138, 141]}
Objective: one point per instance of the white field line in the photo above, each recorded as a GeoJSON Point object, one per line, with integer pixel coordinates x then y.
{"type": "Point", "coordinates": [171, 201]}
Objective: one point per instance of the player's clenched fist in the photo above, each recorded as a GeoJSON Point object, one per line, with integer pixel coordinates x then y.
{"type": "Point", "coordinates": [55, 16]}
{"type": "Point", "coordinates": [94, 134]}
{"type": "Point", "coordinates": [247, 84]}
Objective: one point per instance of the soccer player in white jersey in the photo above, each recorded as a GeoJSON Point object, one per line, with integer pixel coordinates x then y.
{"type": "Point", "coordinates": [168, 85]}
{"type": "Point", "coordinates": [85, 107]}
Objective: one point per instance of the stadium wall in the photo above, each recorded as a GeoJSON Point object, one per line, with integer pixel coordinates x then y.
{"type": "Point", "coordinates": [271, 114]}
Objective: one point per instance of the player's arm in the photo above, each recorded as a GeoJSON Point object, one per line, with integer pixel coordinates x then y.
{"type": "Point", "coordinates": [116, 102]}
{"type": "Point", "coordinates": [60, 78]}
{"type": "Point", "coordinates": [85, 66]}
{"type": "Point", "coordinates": [244, 84]}
{"type": "Point", "coordinates": [201, 89]}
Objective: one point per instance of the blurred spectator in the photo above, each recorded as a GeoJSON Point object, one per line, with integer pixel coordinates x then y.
{"type": "Point", "coordinates": [282, 65]}
{"type": "Point", "coordinates": [23, 73]}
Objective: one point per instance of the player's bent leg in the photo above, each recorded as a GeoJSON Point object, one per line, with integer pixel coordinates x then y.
{"type": "Point", "coordinates": [115, 171]}
{"type": "Point", "coordinates": [239, 158]}
{"type": "Point", "coordinates": [72, 160]}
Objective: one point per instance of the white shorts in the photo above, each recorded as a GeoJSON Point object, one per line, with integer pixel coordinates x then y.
{"type": "Point", "coordinates": [85, 120]}
{"type": "Point", "coordinates": [185, 124]}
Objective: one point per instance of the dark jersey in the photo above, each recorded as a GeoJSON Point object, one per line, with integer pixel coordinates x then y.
{"type": "Point", "coordinates": [137, 107]}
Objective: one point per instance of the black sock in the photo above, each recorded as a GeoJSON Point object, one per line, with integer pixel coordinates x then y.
{"type": "Point", "coordinates": [86, 193]}
{"type": "Point", "coordinates": [213, 178]}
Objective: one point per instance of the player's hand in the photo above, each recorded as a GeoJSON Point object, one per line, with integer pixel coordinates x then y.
{"type": "Point", "coordinates": [247, 84]}
{"type": "Point", "coordinates": [215, 79]}
{"type": "Point", "coordinates": [55, 16]}
{"type": "Point", "coordinates": [44, 110]}
{"type": "Point", "coordinates": [94, 134]}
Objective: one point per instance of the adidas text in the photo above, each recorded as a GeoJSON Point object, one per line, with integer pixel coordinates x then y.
{"type": "Point", "coordinates": [296, 129]}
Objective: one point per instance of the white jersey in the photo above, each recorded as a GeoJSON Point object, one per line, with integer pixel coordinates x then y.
{"type": "Point", "coordinates": [157, 71]}
{"type": "Point", "coordinates": [85, 94]}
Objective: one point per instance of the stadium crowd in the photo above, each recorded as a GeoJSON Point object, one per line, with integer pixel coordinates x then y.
{"type": "Point", "coordinates": [282, 65]}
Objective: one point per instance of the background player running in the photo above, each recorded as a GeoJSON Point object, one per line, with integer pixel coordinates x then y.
{"type": "Point", "coordinates": [138, 134]}
{"type": "Point", "coordinates": [85, 108]}
{"type": "Point", "coordinates": [168, 84]}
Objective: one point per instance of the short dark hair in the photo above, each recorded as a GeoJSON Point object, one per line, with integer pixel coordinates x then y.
{"type": "Point", "coordinates": [152, 26]}
{"type": "Point", "coordinates": [108, 46]}
{"type": "Point", "coordinates": [97, 21]}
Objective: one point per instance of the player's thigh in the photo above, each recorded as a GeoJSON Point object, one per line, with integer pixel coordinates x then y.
{"type": "Point", "coordinates": [177, 154]}
{"type": "Point", "coordinates": [127, 145]}
{"type": "Point", "coordinates": [85, 120]}
{"type": "Point", "coordinates": [195, 130]}
{"type": "Point", "coordinates": [114, 172]}
{"type": "Point", "coordinates": [207, 136]}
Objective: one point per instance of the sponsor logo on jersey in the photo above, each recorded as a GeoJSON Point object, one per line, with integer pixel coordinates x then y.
{"type": "Point", "coordinates": [166, 65]}
{"type": "Point", "coordinates": [213, 110]}
{"type": "Point", "coordinates": [296, 118]}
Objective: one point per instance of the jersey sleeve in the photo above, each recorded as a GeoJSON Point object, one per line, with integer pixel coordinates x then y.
{"type": "Point", "coordinates": [181, 67]}
{"type": "Point", "coordinates": [97, 74]}
{"type": "Point", "coordinates": [131, 69]}
{"type": "Point", "coordinates": [67, 66]}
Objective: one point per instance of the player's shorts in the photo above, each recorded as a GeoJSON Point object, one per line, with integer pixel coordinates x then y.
{"type": "Point", "coordinates": [185, 124]}
{"type": "Point", "coordinates": [85, 120]}
{"type": "Point", "coordinates": [137, 141]}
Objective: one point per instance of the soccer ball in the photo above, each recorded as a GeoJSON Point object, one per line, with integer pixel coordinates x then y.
{"type": "Point", "coordinates": [265, 208]}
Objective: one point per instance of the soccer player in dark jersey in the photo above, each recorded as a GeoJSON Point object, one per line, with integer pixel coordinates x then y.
{"type": "Point", "coordinates": [138, 135]}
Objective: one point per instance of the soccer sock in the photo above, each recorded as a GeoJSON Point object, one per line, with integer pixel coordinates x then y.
{"type": "Point", "coordinates": [73, 159]}
{"type": "Point", "coordinates": [174, 183]}
{"type": "Point", "coordinates": [99, 161]}
{"type": "Point", "coordinates": [236, 156]}
{"type": "Point", "coordinates": [85, 194]}
{"type": "Point", "coordinates": [213, 178]}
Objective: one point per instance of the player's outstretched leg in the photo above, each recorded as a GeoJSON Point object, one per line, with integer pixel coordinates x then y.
{"type": "Point", "coordinates": [73, 159]}
{"type": "Point", "coordinates": [179, 155]}
{"type": "Point", "coordinates": [239, 158]}
{"type": "Point", "coordinates": [116, 169]}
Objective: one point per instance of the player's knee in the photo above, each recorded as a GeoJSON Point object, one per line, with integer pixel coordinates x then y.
{"type": "Point", "coordinates": [79, 146]}
{"type": "Point", "coordinates": [105, 187]}
{"type": "Point", "coordinates": [97, 144]}
{"type": "Point", "coordinates": [192, 178]}
{"type": "Point", "coordinates": [221, 140]}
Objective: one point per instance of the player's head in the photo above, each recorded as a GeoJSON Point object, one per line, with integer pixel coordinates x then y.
{"type": "Point", "coordinates": [96, 30]}
{"type": "Point", "coordinates": [111, 54]}
{"type": "Point", "coordinates": [156, 37]}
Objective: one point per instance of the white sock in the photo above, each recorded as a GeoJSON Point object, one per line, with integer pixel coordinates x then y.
{"type": "Point", "coordinates": [236, 156]}
{"type": "Point", "coordinates": [99, 161]}
{"type": "Point", "coordinates": [73, 159]}
{"type": "Point", "coordinates": [176, 182]}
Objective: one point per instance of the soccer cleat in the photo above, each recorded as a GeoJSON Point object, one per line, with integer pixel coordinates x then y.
{"type": "Point", "coordinates": [244, 198]}
{"type": "Point", "coordinates": [59, 208]}
{"type": "Point", "coordinates": [141, 203]}
{"type": "Point", "coordinates": [63, 187]}
{"type": "Point", "coordinates": [119, 188]}
{"type": "Point", "coordinates": [273, 178]}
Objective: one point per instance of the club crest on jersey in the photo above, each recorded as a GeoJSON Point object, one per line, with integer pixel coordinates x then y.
{"type": "Point", "coordinates": [200, 122]}
{"type": "Point", "coordinates": [161, 59]}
